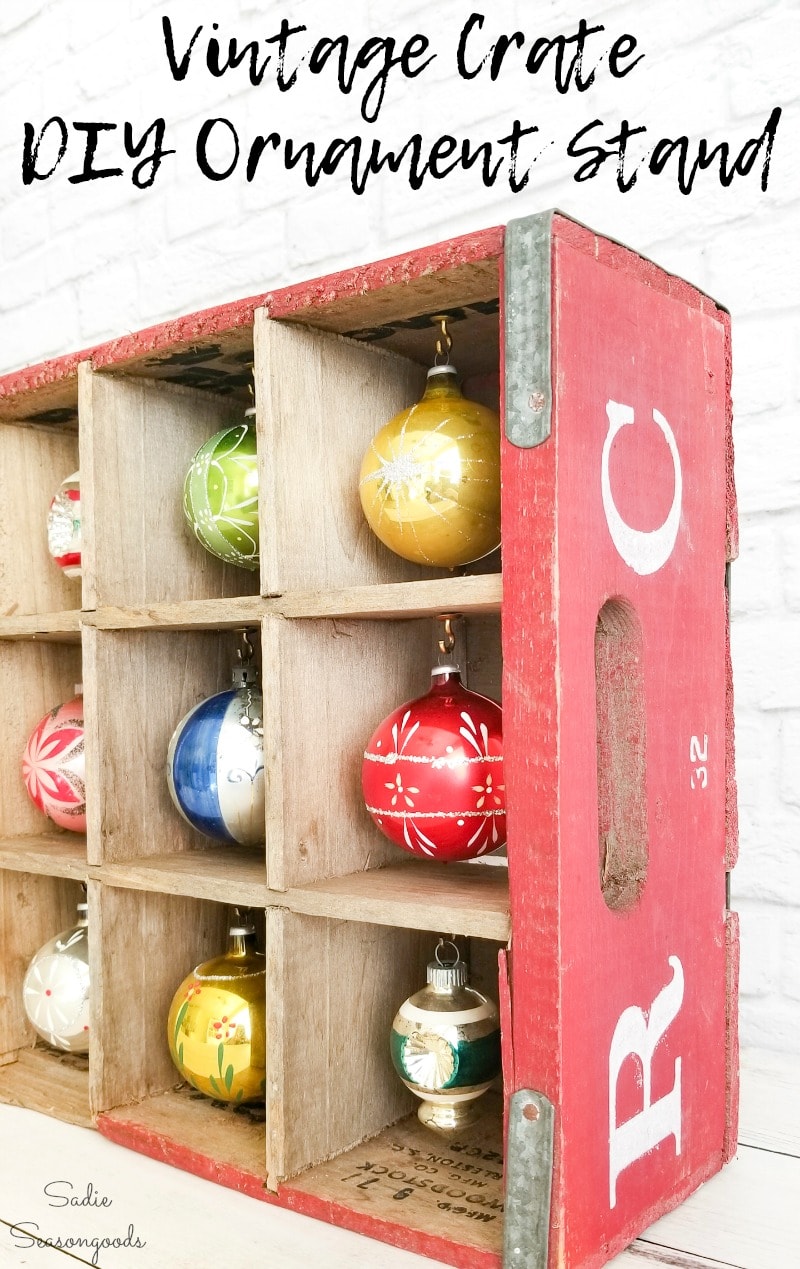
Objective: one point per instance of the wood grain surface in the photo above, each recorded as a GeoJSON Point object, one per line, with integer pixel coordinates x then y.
{"type": "Point", "coordinates": [138, 439]}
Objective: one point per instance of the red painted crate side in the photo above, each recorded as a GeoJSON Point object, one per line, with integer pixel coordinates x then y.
{"type": "Point", "coordinates": [620, 340]}
{"type": "Point", "coordinates": [612, 327]}
{"type": "Point", "coordinates": [615, 333]}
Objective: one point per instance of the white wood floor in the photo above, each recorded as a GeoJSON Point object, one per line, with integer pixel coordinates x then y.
{"type": "Point", "coordinates": [746, 1218]}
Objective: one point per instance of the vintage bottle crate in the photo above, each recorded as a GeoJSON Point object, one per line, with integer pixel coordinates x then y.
{"type": "Point", "coordinates": [605, 935]}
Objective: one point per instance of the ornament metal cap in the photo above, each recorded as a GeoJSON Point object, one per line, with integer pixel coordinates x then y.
{"type": "Point", "coordinates": [242, 930]}
{"type": "Point", "coordinates": [444, 669]}
{"type": "Point", "coordinates": [442, 370]}
{"type": "Point", "coordinates": [446, 977]}
{"type": "Point", "coordinates": [244, 676]}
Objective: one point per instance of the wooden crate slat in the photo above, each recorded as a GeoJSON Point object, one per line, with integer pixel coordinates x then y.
{"type": "Point", "coordinates": [137, 442]}
{"type": "Point", "coordinates": [473, 594]}
{"type": "Point", "coordinates": [157, 940]}
{"type": "Point", "coordinates": [182, 1128]}
{"type": "Point", "coordinates": [465, 266]}
{"type": "Point", "coordinates": [354, 977]}
{"type": "Point", "coordinates": [327, 684]}
{"type": "Point", "coordinates": [55, 855]}
{"type": "Point", "coordinates": [35, 462]}
{"type": "Point", "coordinates": [481, 593]}
{"type": "Point", "coordinates": [139, 686]}
{"type": "Point", "coordinates": [52, 627]}
{"type": "Point", "coordinates": [34, 908]}
{"type": "Point", "coordinates": [466, 899]}
{"type": "Point", "coordinates": [308, 382]}
{"type": "Point", "coordinates": [198, 614]}
{"type": "Point", "coordinates": [35, 677]}
{"type": "Point", "coordinates": [52, 1083]}
{"type": "Point", "coordinates": [227, 874]}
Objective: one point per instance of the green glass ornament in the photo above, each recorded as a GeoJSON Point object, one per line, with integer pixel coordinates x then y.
{"type": "Point", "coordinates": [445, 1045]}
{"type": "Point", "coordinates": [220, 494]}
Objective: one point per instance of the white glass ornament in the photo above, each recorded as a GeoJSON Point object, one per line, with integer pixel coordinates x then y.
{"type": "Point", "coordinates": [55, 991]}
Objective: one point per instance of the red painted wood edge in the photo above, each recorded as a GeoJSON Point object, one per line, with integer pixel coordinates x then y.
{"type": "Point", "coordinates": [616, 256]}
{"type": "Point", "coordinates": [731, 802]}
{"type": "Point", "coordinates": [731, 507]}
{"type": "Point", "coordinates": [732, 1036]}
{"type": "Point", "coordinates": [506, 1037]}
{"type": "Point", "coordinates": [163, 1149]}
{"type": "Point", "coordinates": [486, 244]}
{"type": "Point", "coordinates": [732, 551]}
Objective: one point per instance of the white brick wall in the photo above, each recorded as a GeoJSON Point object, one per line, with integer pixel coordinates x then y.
{"type": "Point", "coordinates": [79, 264]}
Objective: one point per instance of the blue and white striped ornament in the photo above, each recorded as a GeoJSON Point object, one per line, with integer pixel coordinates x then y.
{"type": "Point", "coordinates": [215, 767]}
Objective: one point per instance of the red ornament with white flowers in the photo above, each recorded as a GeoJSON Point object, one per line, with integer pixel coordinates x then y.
{"type": "Point", "coordinates": [433, 773]}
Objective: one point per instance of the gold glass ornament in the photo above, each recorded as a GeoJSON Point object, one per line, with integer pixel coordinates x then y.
{"type": "Point", "coordinates": [430, 480]}
{"type": "Point", "coordinates": [217, 1023]}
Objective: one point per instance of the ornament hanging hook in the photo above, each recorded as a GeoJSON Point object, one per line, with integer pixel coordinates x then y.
{"type": "Point", "coordinates": [245, 653]}
{"type": "Point", "coordinates": [444, 344]}
{"type": "Point", "coordinates": [250, 412]}
{"type": "Point", "coordinates": [443, 943]}
{"type": "Point", "coordinates": [448, 642]}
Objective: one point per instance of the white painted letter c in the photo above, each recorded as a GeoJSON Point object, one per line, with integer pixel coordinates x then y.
{"type": "Point", "coordinates": [644, 552]}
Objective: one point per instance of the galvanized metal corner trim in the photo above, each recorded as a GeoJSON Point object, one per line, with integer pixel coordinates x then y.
{"type": "Point", "coordinates": [527, 296]}
{"type": "Point", "coordinates": [529, 1181]}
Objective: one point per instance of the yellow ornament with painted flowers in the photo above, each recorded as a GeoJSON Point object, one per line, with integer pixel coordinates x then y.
{"type": "Point", "coordinates": [216, 1028]}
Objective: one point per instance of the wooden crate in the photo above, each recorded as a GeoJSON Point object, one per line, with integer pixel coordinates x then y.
{"type": "Point", "coordinates": [617, 996]}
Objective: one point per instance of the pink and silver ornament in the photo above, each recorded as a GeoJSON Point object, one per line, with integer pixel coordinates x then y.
{"type": "Point", "coordinates": [53, 766]}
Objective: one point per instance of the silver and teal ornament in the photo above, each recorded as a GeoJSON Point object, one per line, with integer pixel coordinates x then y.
{"type": "Point", "coordinates": [220, 494]}
{"type": "Point", "coordinates": [215, 763]}
{"type": "Point", "coordinates": [55, 990]}
{"type": "Point", "coordinates": [445, 1045]}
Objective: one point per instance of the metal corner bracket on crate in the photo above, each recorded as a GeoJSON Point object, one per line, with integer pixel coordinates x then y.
{"type": "Point", "coordinates": [529, 1181]}
{"type": "Point", "coordinates": [527, 329]}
